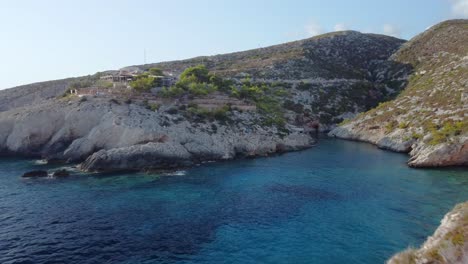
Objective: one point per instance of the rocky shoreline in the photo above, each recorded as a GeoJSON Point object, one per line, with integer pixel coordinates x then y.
{"type": "Point", "coordinates": [106, 135]}
{"type": "Point", "coordinates": [422, 154]}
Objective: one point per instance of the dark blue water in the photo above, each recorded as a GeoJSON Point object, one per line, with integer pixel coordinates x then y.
{"type": "Point", "coordinates": [340, 202]}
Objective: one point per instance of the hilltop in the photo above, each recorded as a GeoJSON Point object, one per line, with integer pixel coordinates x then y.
{"type": "Point", "coordinates": [344, 54]}
{"type": "Point", "coordinates": [429, 118]}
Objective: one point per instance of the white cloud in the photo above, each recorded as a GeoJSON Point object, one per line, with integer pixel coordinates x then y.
{"type": "Point", "coordinates": [391, 30]}
{"type": "Point", "coordinates": [340, 27]}
{"type": "Point", "coordinates": [460, 8]}
{"type": "Point", "coordinates": [314, 29]}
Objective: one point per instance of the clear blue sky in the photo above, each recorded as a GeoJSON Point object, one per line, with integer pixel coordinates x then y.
{"type": "Point", "coordinates": [51, 39]}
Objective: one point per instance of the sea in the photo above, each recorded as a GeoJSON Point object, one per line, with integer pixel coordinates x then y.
{"type": "Point", "coordinates": [337, 202]}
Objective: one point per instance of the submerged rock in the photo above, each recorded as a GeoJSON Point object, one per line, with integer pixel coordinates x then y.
{"type": "Point", "coordinates": [61, 173]}
{"type": "Point", "coordinates": [448, 245]}
{"type": "Point", "coordinates": [35, 174]}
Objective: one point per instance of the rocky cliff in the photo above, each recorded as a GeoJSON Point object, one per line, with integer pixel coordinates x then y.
{"type": "Point", "coordinates": [429, 118]}
{"type": "Point", "coordinates": [448, 245]}
{"type": "Point", "coordinates": [111, 135]}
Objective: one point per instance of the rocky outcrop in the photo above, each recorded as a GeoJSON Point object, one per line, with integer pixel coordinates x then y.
{"type": "Point", "coordinates": [148, 156]}
{"type": "Point", "coordinates": [35, 174]}
{"type": "Point", "coordinates": [422, 154]}
{"type": "Point", "coordinates": [448, 245]}
{"type": "Point", "coordinates": [429, 119]}
{"type": "Point", "coordinates": [110, 135]}
{"type": "Point", "coordinates": [61, 173]}
{"type": "Point", "coordinates": [445, 154]}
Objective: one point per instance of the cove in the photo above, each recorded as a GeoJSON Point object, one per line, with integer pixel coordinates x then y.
{"type": "Point", "coordinates": [338, 202]}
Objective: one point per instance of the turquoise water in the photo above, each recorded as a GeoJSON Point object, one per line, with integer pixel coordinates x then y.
{"type": "Point", "coordinates": [339, 202]}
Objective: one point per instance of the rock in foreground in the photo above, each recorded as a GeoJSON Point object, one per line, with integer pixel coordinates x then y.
{"type": "Point", "coordinates": [449, 244]}
{"type": "Point", "coordinates": [35, 174]}
{"type": "Point", "coordinates": [61, 173]}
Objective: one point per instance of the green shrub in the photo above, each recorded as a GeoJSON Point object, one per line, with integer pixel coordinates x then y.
{"type": "Point", "coordinates": [143, 83]}
{"type": "Point", "coordinates": [448, 130]}
{"type": "Point", "coordinates": [403, 125]}
{"type": "Point", "coordinates": [458, 239]}
{"type": "Point", "coordinates": [222, 113]}
{"type": "Point", "coordinates": [344, 122]}
{"type": "Point", "coordinates": [156, 72]}
{"type": "Point", "coordinates": [154, 107]}
{"type": "Point", "coordinates": [197, 81]}
{"type": "Point", "coordinates": [173, 91]}
{"type": "Point", "coordinates": [252, 92]}
{"type": "Point", "coordinates": [417, 136]}
{"type": "Point", "coordinates": [390, 126]}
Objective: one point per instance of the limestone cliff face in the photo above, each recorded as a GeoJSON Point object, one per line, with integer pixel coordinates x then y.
{"type": "Point", "coordinates": [448, 245]}
{"type": "Point", "coordinates": [429, 119]}
{"type": "Point", "coordinates": [109, 135]}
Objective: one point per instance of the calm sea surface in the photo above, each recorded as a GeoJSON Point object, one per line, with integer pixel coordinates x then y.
{"type": "Point", "coordinates": [339, 202]}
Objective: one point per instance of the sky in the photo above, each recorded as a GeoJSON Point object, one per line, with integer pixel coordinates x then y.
{"type": "Point", "coordinates": [53, 39]}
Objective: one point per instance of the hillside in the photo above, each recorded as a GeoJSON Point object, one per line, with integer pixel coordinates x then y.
{"type": "Point", "coordinates": [328, 77]}
{"type": "Point", "coordinates": [345, 54]}
{"type": "Point", "coordinates": [37, 93]}
{"type": "Point", "coordinates": [429, 119]}
{"type": "Point", "coordinates": [31, 93]}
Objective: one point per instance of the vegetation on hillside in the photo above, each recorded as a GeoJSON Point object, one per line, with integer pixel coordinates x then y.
{"type": "Point", "coordinates": [197, 81]}
{"type": "Point", "coordinates": [147, 80]}
{"type": "Point", "coordinates": [267, 99]}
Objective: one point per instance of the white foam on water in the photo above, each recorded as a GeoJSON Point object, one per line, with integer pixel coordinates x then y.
{"type": "Point", "coordinates": [40, 162]}
{"type": "Point", "coordinates": [175, 173]}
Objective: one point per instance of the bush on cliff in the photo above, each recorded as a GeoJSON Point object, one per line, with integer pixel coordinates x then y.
{"type": "Point", "coordinates": [196, 81]}
{"type": "Point", "coordinates": [143, 83]}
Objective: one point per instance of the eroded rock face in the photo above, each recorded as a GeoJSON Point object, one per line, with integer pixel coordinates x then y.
{"type": "Point", "coordinates": [448, 245]}
{"type": "Point", "coordinates": [448, 154]}
{"type": "Point", "coordinates": [109, 136]}
{"type": "Point", "coordinates": [422, 153]}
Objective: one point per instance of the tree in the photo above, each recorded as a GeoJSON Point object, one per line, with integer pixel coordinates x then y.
{"type": "Point", "coordinates": [197, 73]}
{"type": "Point", "coordinates": [156, 72]}
{"type": "Point", "coordinates": [143, 84]}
